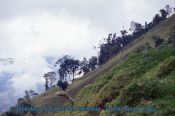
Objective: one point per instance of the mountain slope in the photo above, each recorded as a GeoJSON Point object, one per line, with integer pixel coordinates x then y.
{"type": "Point", "coordinates": [108, 76]}
{"type": "Point", "coordinates": [129, 78]}
{"type": "Point", "coordinates": [135, 82]}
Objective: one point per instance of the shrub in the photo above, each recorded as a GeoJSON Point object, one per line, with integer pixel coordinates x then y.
{"type": "Point", "coordinates": [171, 39]}
{"type": "Point", "coordinates": [147, 89]}
{"type": "Point", "coordinates": [167, 67]}
{"type": "Point", "coordinates": [62, 85]}
{"type": "Point", "coordinates": [158, 41]}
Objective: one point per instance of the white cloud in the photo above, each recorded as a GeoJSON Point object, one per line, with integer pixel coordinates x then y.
{"type": "Point", "coordinates": [38, 34]}
{"type": "Point", "coordinates": [29, 40]}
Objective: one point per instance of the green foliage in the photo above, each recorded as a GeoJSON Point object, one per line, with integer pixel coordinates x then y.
{"type": "Point", "coordinates": [93, 62]}
{"type": "Point", "coordinates": [171, 39]}
{"type": "Point", "coordinates": [147, 89]}
{"type": "Point", "coordinates": [67, 66]}
{"type": "Point", "coordinates": [165, 106]}
{"type": "Point", "coordinates": [166, 67]}
{"type": "Point", "coordinates": [135, 82]}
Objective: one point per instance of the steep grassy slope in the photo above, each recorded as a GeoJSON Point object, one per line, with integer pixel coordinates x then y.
{"type": "Point", "coordinates": [144, 79]}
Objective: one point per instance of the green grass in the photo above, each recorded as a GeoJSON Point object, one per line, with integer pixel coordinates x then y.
{"type": "Point", "coordinates": [130, 83]}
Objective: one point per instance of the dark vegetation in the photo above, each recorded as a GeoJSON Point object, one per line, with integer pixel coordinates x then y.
{"type": "Point", "coordinates": [62, 84]}
{"type": "Point", "coordinates": [112, 44]}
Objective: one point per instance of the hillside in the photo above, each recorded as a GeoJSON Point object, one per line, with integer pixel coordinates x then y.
{"type": "Point", "coordinates": [135, 82]}
{"type": "Point", "coordinates": [132, 78]}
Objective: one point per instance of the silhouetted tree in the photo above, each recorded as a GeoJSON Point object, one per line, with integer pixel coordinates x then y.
{"type": "Point", "coordinates": [93, 62]}
{"type": "Point", "coordinates": [50, 78]}
{"type": "Point", "coordinates": [27, 97]}
{"type": "Point", "coordinates": [68, 66]}
{"type": "Point", "coordinates": [84, 66]}
{"type": "Point", "coordinates": [46, 83]}
{"type": "Point", "coordinates": [156, 19]}
{"type": "Point", "coordinates": [168, 9]}
{"type": "Point", "coordinates": [113, 44]}
{"type": "Point", "coordinates": [146, 24]}
{"type": "Point", "coordinates": [62, 84]}
{"type": "Point", "coordinates": [32, 93]}
{"type": "Point", "coordinates": [123, 33]}
{"type": "Point", "coordinates": [136, 27]}
{"type": "Point", "coordinates": [163, 14]}
{"type": "Point", "coordinates": [74, 67]}
{"type": "Point", "coordinates": [109, 38]}
{"type": "Point", "coordinates": [103, 53]}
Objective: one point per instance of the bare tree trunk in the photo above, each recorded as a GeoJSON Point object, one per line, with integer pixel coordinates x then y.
{"type": "Point", "coordinates": [66, 95]}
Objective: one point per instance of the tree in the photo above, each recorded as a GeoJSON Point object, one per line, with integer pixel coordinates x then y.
{"type": "Point", "coordinates": [112, 47]}
{"type": "Point", "coordinates": [114, 36]}
{"type": "Point", "coordinates": [75, 64]}
{"type": "Point", "coordinates": [163, 14]}
{"type": "Point", "coordinates": [102, 56]}
{"type": "Point", "coordinates": [29, 94]}
{"type": "Point", "coordinates": [123, 33]}
{"type": "Point", "coordinates": [93, 62]}
{"type": "Point", "coordinates": [156, 19]}
{"type": "Point", "coordinates": [62, 73]}
{"type": "Point", "coordinates": [136, 27]}
{"type": "Point", "coordinates": [168, 9]}
{"type": "Point", "coordinates": [68, 66]}
{"type": "Point", "coordinates": [46, 83]}
{"type": "Point", "coordinates": [84, 66]}
{"type": "Point", "coordinates": [109, 38]}
{"type": "Point", "coordinates": [50, 78]}
{"type": "Point", "coordinates": [27, 97]}
{"type": "Point", "coordinates": [62, 84]}
{"type": "Point", "coordinates": [63, 70]}
{"type": "Point", "coordinates": [32, 93]}
{"type": "Point", "coordinates": [113, 39]}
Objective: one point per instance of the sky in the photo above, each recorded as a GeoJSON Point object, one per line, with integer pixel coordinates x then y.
{"type": "Point", "coordinates": [33, 32]}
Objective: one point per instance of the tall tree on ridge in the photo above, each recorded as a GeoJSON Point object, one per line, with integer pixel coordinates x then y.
{"type": "Point", "coordinates": [163, 14]}
{"type": "Point", "coordinates": [68, 66]}
{"type": "Point", "coordinates": [93, 62]}
{"type": "Point", "coordinates": [50, 78]}
{"type": "Point", "coordinates": [156, 19]}
{"type": "Point", "coordinates": [84, 66]}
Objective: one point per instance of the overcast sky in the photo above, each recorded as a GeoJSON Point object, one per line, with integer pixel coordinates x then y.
{"type": "Point", "coordinates": [32, 31]}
